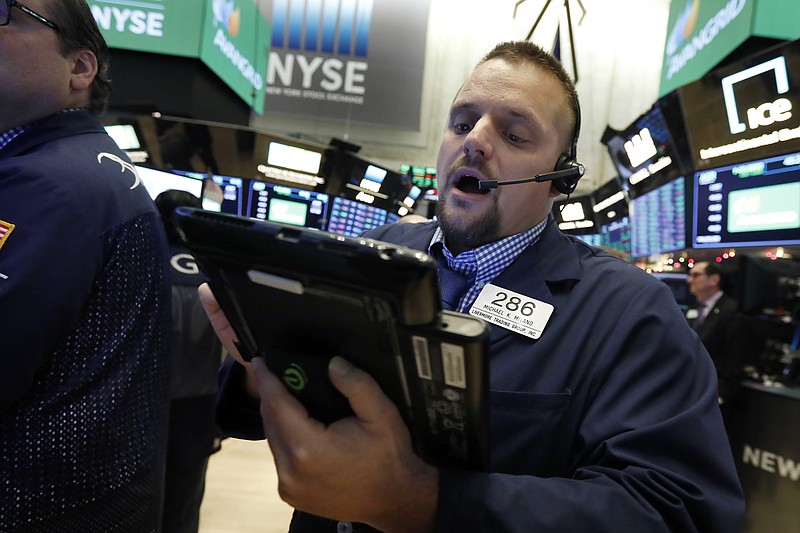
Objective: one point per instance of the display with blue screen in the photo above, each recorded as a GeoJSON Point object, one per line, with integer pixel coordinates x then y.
{"type": "Point", "coordinates": [287, 205]}
{"type": "Point", "coordinates": [227, 195]}
{"type": "Point", "coordinates": [616, 235]}
{"type": "Point", "coordinates": [658, 220]}
{"type": "Point", "coordinates": [351, 218]}
{"type": "Point", "coordinates": [749, 204]}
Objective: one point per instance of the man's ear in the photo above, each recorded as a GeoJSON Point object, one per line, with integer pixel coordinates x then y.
{"type": "Point", "coordinates": [84, 69]}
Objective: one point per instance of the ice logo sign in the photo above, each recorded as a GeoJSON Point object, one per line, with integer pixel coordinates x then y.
{"type": "Point", "coordinates": [227, 15]}
{"type": "Point", "coordinates": [766, 113]}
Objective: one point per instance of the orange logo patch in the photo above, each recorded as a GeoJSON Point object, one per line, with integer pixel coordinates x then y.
{"type": "Point", "coordinates": [5, 230]}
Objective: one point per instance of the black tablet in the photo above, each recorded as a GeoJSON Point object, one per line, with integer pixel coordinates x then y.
{"type": "Point", "coordinates": [297, 297]}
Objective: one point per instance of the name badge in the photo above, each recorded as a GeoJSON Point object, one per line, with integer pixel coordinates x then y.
{"type": "Point", "coordinates": [512, 310]}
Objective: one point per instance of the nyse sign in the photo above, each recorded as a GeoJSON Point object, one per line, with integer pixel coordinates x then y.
{"type": "Point", "coordinates": [135, 21]}
{"type": "Point", "coordinates": [316, 77]}
{"type": "Point", "coordinates": [346, 60]}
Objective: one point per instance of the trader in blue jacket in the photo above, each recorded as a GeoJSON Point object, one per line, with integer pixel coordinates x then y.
{"type": "Point", "coordinates": [604, 417]}
{"type": "Point", "coordinates": [84, 290]}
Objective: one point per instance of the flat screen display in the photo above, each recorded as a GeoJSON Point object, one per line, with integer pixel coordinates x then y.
{"type": "Point", "coordinates": [124, 135]}
{"type": "Point", "coordinates": [654, 145]}
{"type": "Point", "coordinates": [575, 215]}
{"type": "Point", "coordinates": [749, 204]}
{"type": "Point", "coordinates": [351, 218]}
{"type": "Point", "coordinates": [228, 195]}
{"type": "Point", "coordinates": [294, 157]}
{"type": "Point", "coordinates": [615, 235]}
{"type": "Point", "coordinates": [287, 205]}
{"type": "Point", "coordinates": [658, 219]}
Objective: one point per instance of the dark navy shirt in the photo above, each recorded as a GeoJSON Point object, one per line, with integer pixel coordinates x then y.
{"type": "Point", "coordinates": [84, 325]}
{"type": "Point", "coordinates": [608, 422]}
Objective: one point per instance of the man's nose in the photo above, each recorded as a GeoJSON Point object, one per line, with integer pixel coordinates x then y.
{"type": "Point", "coordinates": [478, 141]}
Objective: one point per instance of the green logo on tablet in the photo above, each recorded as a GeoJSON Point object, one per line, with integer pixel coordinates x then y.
{"type": "Point", "coordinates": [295, 378]}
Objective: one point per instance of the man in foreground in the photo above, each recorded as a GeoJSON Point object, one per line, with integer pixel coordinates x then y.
{"type": "Point", "coordinates": [607, 422]}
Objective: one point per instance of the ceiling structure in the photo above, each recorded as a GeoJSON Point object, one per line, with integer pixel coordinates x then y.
{"type": "Point", "coordinates": [619, 45]}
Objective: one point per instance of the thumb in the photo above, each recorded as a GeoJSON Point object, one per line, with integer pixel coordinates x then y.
{"type": "Point", "coordinates": [366, 397]}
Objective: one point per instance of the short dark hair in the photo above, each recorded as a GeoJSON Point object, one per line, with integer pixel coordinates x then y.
{"type": "Point", "coordinates": [528, 52]}
{"type": "Point", "coordinates": [78, 31]}
{"type": "Point", "coordinates": [166, 202]}
{"type": "Point", "coordinates": [712, 268]}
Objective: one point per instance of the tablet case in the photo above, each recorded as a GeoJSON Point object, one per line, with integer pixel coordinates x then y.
{"type": "Point", "coordinates": [297, 297]}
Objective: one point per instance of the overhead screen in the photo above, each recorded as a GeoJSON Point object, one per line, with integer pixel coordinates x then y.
{"type": "Point", "coordinates": [575, 215]}
{"type": "Point", "coordinates": [658, 219]}
{"type": "Point", "coordinates": [756, 203]}
{"type": "Point", "coordinates": [652, 148]}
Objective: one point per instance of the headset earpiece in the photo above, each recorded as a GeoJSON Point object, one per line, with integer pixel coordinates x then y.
{"type": "Point", "coordinates": [569, 161]}
{"type": "Point", "coordinates": [568, 184]}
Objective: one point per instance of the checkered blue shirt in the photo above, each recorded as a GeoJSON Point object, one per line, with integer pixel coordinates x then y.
{"type": "Point", "coordinates": [484, 263]}
{"type": "Point", "coordinates": [8, 136]}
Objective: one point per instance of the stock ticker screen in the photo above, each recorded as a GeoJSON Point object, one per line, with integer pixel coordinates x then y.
{"type": "Point", "coordinates": [658, 220]}
{"type": "Point", "coordinates": [351, 218]}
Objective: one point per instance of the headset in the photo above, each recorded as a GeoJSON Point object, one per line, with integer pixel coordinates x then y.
{"type": "Point", "coordinates": [568, 168]}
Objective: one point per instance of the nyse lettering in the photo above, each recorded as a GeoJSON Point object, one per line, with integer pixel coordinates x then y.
{"type": "Point", "coordinates": [133, 21]}
{"type": "Point", "coordinates": [317, 73]}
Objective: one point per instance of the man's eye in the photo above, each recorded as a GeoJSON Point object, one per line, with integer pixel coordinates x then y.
{"type": "Point", "coordinates": [461, 128]}
{"type": "Point", "coordinates": [514, 138]}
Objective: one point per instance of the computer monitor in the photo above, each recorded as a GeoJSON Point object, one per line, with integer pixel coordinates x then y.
{"type": "Point", "coordinates": [226, 194]}
{"type": "Point", "coordinates": [287, 205]}
{"type": "Point", "coordinates": [615, 235]}
{"type": "Point", "coordinates": [658, 219]}
{"type": "Point", "coordinates": [756, 203]}
{"type": "Point", "coordinates": [352, 218]}
{"type": "Point", "coordinates": [768, 286]}
{"type": "Point", "coordinates": [423, 177]}
{"type": "Point", "coordinates": [124, 135]}
{"type": "Point", "coordinates": [293, 163]}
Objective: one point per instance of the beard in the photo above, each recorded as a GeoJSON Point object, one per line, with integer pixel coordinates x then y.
{"type": "Point", "coordinates": [467, 230]}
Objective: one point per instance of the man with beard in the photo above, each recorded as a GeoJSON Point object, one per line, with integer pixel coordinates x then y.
{"type": "Point", "coordinates": [608, 421]}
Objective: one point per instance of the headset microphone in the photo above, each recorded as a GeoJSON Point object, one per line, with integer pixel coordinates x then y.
{"type": "Point", "coordinates": [574, 172]}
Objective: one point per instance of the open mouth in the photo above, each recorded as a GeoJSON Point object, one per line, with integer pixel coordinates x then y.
{"type": "Point", "coordinates": [469, 184]}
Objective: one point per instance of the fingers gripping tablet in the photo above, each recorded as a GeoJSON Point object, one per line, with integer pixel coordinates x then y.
{"type": "Point", "coordinates": [298, 297]}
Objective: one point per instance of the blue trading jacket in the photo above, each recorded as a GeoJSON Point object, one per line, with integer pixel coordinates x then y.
{"type": "Point", "coordinates": [84, 325]}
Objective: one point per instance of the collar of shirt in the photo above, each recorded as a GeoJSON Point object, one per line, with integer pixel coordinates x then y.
{"type": "Point", "coordinates": [710, 303]}
{"type": "Point", "coordinates": [9, 135]}
{"type": "Point", "coordinates": [484, 263]}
